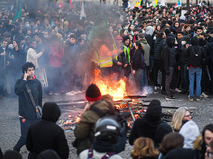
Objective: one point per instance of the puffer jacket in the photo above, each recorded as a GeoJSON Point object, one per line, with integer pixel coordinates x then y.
{"type": "Point", "coordinates": [159, 45]}
{"type": "Point", "coordinates": [84, 129]}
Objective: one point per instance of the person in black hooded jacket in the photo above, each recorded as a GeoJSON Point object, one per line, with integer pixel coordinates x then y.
{"type": "Point", "coordinates": [148, 124]}
{"type": "Point", "coordinates": [46, 134]}
{"type": "Point", "coordinates": [168, 55]}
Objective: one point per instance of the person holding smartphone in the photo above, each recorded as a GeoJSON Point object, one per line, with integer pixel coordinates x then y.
{"type": "Point", "coordinates": [27, 112]}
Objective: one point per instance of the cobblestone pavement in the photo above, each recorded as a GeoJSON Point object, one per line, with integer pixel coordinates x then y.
{"type": "Point", "coordinates": [10, 128]}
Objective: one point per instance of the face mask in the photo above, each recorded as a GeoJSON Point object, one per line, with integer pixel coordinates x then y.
{"type": "Point", "coordinates": [27, 25]}
{"type": "Point", "coordinates": [154, 38]}
{"type": "Point", "coordinates": [183, 42]}
{"type": "Point", "coordinates": [126, 28]}
{"type": "Point", "coordinates": [45, 36]}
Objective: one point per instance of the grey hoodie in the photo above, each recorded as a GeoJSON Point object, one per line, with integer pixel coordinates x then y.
{"type": "Point", "coordinates": [146, 47]}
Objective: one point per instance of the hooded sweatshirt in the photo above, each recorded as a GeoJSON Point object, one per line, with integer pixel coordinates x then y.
{"type": "Point", "coordinates": [147, 125]}
{"type": "Point", "coordinates": [190, 132]}
{"type": "Point", "coordinates": [46, 134]}
{"type": "Point", "coordinates": [146, 47]}
{"type": "Point", "coordinates": [169, 54]}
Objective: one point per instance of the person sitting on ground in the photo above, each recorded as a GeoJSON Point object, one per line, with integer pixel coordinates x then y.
{"type": "Point", "coordinates": [106, 134]}
{"type": "Point", "coordinates": [190, 132]}
{"type": "Point", "coordinates": [46, 134]}
{"type": "Point", "coordinates": [170, 141]}
{"type": "Point", "coordinates": [180, 116]}
{"type": "Point", "coordinates": [144, 149]}
{"type": "Point", "coordinates": [84, 130]}
{"type": "Point", "coordinates": [148, 124]}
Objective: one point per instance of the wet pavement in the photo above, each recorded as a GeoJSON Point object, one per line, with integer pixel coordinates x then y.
{"type": "Point", "coordinates": [202, 112]}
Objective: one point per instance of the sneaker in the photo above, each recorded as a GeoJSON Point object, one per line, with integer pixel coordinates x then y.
{"type": "Point", "coordinates": [156, 88]}
{"type": "Point", "coordinates": [70, 94]}
{"type": "Point", "coordinates": [177, 90]}
{"type": "Point", "coordinates": [198, 99]}
{"type": "Point", "coordinates": [190, 99]}
{"type": "Point", "coordinates": [170, 98]}
{"type": "Point", "coordinates": [204, 95]}
{"type": "Point", "coordinates": [50, 93]}
{"type": "Point", "coordinates": [56, 93]}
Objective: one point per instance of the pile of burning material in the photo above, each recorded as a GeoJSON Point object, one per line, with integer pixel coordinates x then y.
{"type": "Point", "coordinates": [135, 105]}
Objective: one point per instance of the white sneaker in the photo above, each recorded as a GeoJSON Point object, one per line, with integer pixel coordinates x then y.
{"type": "Point", "coordinates": [70, 94]}
{"type": "Point", "coordinates": [177, 90]}
{"type": "Point", "coordinates": [204, 95]}
{"type": "Point", "coordinates": [156, 88]}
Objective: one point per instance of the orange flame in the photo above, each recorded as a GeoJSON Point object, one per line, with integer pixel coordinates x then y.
{"type": "Point", "coordinates": [117, 89]}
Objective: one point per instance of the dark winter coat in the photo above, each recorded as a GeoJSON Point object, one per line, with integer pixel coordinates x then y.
{"type": "Point", "coordinates": [148, 124]}
{"type": "Point", "coordinates": [84, 130]}
{"type": "Point", "coordinates": [159, 45]}
{"type": "Point", "coordinates": [138, 60]}
{"type": "Point", "coordinates": [207, 48]}
{"type": "Point", "coordinates": [45, 134]}
{"type": "Point", "coordinates": [18, 60]}
{"type": "Point", "coordinates": [168, 54]}
{"type": "Point", "coordinates": [195, 54]}
{"type": "Point", "coordinates": [26, 108]}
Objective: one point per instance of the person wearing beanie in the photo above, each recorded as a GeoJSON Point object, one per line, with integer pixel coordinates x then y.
{"type": "Point", "coordinates": [46, 134]}
{"type": "Point", "coordinates": [148, 124]}
{"type": "Point", "coordinates": [84, 129]}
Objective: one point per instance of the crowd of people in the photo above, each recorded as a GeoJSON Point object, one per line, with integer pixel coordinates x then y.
{"type": "Point", "coordinates": [165, 47]}
{"type": "Point", "coordinates": [58, 48]}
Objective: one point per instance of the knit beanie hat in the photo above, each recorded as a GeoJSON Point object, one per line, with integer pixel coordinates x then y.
{"type": "Point", "coordinates": [93, 93]}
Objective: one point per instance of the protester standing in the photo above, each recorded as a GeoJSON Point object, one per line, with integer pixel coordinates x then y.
{"type": "Point", "coordinates": [27, 112]}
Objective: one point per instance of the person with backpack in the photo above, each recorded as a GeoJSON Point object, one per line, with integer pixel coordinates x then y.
{"type": "Point", "coordinates": [107, 132]}
{"type": "Point", "coordinates": [196, 56]}
{"type": "Point", "coordinates": [97, 107]}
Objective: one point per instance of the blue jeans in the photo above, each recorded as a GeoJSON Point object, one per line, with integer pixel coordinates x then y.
{"type": "Point", "coordinates": [192, 72]}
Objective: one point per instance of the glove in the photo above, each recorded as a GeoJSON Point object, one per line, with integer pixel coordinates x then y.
{"type": "Point", "coordinates": [167, 72]}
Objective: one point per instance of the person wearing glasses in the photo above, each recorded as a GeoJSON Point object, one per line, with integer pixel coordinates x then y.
{"type": "Point", "coordinates": [180, 116]}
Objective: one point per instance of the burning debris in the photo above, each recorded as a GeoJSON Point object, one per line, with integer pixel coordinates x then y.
{"type": "Point", "coordinates": [136, 105]}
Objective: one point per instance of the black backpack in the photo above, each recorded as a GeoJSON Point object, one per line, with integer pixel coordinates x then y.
{"type": "Point", "coordinates": [121, 119]}
{"type": "Point", "coordinates": [197, 55]}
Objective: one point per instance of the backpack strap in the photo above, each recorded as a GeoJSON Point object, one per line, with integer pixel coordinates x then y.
{"type": "Point", "coordinates": [108, 155]}
{"type": "Point", "coordinates": [100, 112]}
{"type": "Point", "coordinates": [90, 153]}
